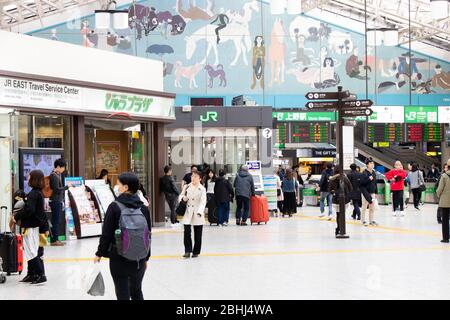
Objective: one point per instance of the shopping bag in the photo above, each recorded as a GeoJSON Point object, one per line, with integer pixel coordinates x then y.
{"type": "Point", "coordinates": [376, 206]}
{"type": "Point", "coordinates": [94, 284]}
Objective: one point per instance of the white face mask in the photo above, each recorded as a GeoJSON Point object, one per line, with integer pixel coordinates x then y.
{"type": "Point", "coordinates": [116, 191]}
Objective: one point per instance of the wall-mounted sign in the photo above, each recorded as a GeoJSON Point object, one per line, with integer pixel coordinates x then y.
{"type": "Point", "coordinates": [44, 95]}
{"type": "Point", "coordinates": [209, 116]}
{"type": "Point", "coordinates": [318, 153]}
{"type": "Point", "coordinates": [387, 114]}
{"type": "Point", "coordinates": [422, 114]}
{"type": "Point", "coordinates": [304, 116]}
{"type": "Point", "coordinates": [444, 114]}
{"type": "Point", "coordinates": [267, 133]}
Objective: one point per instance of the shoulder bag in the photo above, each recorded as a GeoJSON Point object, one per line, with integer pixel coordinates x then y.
{"type": "Point", "coordinates": [422, 186]}
{"type": "Point", "coordinates": [182, 205]}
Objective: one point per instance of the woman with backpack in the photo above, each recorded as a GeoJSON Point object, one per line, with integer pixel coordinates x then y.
{"type": "Point", "coordinates": [334, 187]}
{"type": "Point", "coordinates": [416, 184]}
{"type": "Point", "coordinates": [194, 195]}
{"type": "Point", "coordinates": [126, 218]}
{"type": "Point", "coordinates": [31, 218]}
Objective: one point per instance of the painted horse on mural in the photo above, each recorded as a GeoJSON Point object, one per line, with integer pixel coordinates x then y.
{"type": "Point", "coordinates": [237, 32]}
{"type": "Point", "coordinates": [277, 53]}
{"type": "Point", "coordinates": [194, 12]}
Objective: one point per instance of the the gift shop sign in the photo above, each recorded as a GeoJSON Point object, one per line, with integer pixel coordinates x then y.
{"type": "Point", "coordinates": [43, 95]}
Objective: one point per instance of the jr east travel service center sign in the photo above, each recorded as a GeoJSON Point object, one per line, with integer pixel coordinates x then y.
{"type": "Point", "coordinates": [44, 95]}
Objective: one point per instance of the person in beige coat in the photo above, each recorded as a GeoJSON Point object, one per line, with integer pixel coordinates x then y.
{"type": "Point", "coordinates": [443, 193]}
{"type": "Point", "coordinates": [195, 195]}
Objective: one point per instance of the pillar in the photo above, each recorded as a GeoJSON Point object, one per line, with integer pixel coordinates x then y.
{"type": "Point", "coordinates": [79, 145]}
{"type": "Point", "coordinates": [159, 152]}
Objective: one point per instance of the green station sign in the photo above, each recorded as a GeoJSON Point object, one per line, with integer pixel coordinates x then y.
{"type": "Point", "coordinates": [304, 116]}
{"type": "Point", "coordinates": [421, 114]}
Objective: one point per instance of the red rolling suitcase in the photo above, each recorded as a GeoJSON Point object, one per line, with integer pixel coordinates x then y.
{"type": "Point", "coordinates": [259, 209]}
{"type": "Point", "coordinates": [11, 250]}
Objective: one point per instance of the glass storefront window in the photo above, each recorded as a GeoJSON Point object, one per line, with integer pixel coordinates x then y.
{"type": "Point", "coordinates": [47, 132]}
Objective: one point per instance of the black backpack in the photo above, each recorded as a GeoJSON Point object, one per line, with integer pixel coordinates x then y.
{"type": "Point", "coordinates": [325, 182]}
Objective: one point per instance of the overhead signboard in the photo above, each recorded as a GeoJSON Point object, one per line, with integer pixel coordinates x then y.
{"type": "Point", "coordinates": [421, 114]}
{"type": "Point", "coordinates": [322, 105]}
{"type": "Point", "coordinates": [357, 112]}
{"type": "Point", "coordinates": [326, 95]}
{"type": "Point", "coordinates": [444, 114]}
{"type": "Point", "coordinates": [304, 116]}
{"type": "Point", "coordinates": [46, 95]}
{"type": "Point", "coordinates": [387, 114]}
{"type": "Point", "coordinates": [357, 104]}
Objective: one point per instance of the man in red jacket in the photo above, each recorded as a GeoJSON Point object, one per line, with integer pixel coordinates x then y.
{"type": "Point", "coordinates": [397, 179]}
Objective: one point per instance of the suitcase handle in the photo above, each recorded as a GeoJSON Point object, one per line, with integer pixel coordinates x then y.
{"type": "Point", "coordinates": [3, 209]}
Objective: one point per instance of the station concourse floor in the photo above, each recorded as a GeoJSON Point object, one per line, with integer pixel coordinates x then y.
{"type": "Point", "coordinates": [289, 258]}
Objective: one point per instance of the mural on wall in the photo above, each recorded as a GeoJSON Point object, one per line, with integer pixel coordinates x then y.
{"type": "Point", "coordinates": [212, 47]}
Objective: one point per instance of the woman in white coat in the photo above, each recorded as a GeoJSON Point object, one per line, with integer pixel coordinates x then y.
{"type": "Point", "coordinates": [195, 195]}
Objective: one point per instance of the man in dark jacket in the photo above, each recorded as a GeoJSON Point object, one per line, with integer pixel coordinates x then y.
{"type": "Point", "coordinates": [223, 194]}
{"type": "Point", "coordinates": [368, 189]}
{"type": "Point", "coordinates": [355, 195]}
{"type": "Point", "coordinates": [57, 200]}
{"type": "Point", "coordinates": [324, 194]}
{"type": "Point", "coordinates": [433, 173]}
{"type": "Point", "coordinates": [168, 187]}
{"type": "Point", "coordinates": [245, 188]}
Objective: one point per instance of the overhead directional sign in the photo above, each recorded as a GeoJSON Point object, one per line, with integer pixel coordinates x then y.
{"type": "Point", "coordinates": [327, 95]}
{"type": "Point", "coordinates": [323, 104]}
{"type": "Point", "coordinates": [357, 103]}
{"type": "Point", "coordinates": [357, 112]}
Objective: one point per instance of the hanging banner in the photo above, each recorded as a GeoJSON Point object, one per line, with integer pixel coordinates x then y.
{"type": "Point", "coordinates": [387, 114]}
{"type": "Point", "coordinates": [423, 114]}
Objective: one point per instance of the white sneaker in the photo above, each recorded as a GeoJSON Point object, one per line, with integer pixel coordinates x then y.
{"type": "Point", "coordinates": [394, 214]}
{"type": "Point", "coordinates": [321, 215]}
{"type": "Point", "coordinates": [402, 213]}
{"type": "Point", "coordinates": [365, 224]}
{"type": "Point", "coordinates": [225, 224]}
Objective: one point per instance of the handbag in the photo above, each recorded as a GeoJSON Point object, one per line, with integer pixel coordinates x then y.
{"type": "Point", "coordinates": [182, 205]}
{"type": "Point", "coordinates": [278, 192]}
{"type": "Point", "coordinates": [422, 186]}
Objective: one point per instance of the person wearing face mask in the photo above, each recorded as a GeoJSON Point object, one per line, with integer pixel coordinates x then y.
{"type": "Point", "coordinates": [368, 189]}
{"type": "Point", "coordinates": [195, 196]}
{"type": "Point", "coordinates": [397, 177]}
{"type": "Point", "coordinates": [128, 265]}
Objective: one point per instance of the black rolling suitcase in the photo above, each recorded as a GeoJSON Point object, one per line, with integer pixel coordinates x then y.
{"type": "Point", "coordinates": [212, 212]}
{"type": "Point", "coordinates": [8, 248]}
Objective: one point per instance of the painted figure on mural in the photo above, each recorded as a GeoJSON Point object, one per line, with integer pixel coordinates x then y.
{"type": "Point", "coordinates": [259, 61]}
{"type": "Point", "coordinates": [222, 21]}
{"type": "Point", "coordinates": [194, 12]}
{"type": "Point", "coordinates": [277, 53]}
{"type": "Point", "coordinates": [300, 55]}
{"type": "Point", "coordinates": [441, 78]}
{"type": "Point", "coordinates": [54, 35]}
{"type": "Point", "coordinates": [216, 73]}
{"type": "Point", "coordinates": [188, 72]}
{"type": "Point", "coordinates": [237, 31]}
{"type": "Point", "coordinates": [355, 67]}
{"type": "Point", "coordinates": [328, 77]}
{"type": "Point", "coordinates": [85, 32]}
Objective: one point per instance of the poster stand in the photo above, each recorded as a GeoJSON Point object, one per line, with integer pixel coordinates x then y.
{"type": "Point", "coordinates": [86, 218]}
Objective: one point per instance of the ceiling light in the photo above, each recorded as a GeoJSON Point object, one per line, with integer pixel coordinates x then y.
{"type": "Point", "coordinates": [120, 19]}
{"type": "Point", "coordinates": [374, 37]}
{"type": "Point", "coordinates": [102, 19]}
{"type": "Point", "coordinates": [390, 37]}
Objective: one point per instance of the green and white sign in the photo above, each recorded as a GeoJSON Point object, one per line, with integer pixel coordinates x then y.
{"type": "Point", "coordinates": [209, 116]}
{"type": "Point", "coordinates": [45, 95]}
{"type": "Point", "coordinates": [304, 116]}
{"type": "Point", "coordinates": [422, 114]}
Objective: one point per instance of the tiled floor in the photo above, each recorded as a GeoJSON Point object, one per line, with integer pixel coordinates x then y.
{"type": "Point", "coordinates": [289, 258]}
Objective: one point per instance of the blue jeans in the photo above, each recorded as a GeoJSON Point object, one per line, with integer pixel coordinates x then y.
{"type": "Point", "coordinates": [242, 203]}
{"type": "Point", "coordinates": [329, 198]}
{"type": "Point", "coordinates": [223, 212]}
{"type": "Point", "coordinates": [56, 219]}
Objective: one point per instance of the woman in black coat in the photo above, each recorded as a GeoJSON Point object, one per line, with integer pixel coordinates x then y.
{"type": "Point", "coordinates": [334, 188]}
{"type": "Point", "coordinates": [127, 275]}
{"type": "Point", "coordinates": [31, 219]}
{"type": "Point", "coordinates": [223, 194]}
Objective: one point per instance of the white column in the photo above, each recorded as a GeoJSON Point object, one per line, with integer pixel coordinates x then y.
{"type": "Point", "coordinates": [5, 168]}
{"type": "Point", "coordinates": [349, 146]}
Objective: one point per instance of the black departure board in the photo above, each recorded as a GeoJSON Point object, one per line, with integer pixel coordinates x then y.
{"type": "Point", "coordinates": [380, 132]}
{"type": "Point", "coordinates": [305, 132]}
{"type": "Point", "coordinates": [282, 133]}
{"type": "Point", "coordinates": [414, 132]}
{"type": "Point", "coordinates": [433, 132]}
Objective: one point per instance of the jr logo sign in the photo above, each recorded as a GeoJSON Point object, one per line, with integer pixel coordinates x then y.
{"type": "Point", "coordinates": [209, 116]}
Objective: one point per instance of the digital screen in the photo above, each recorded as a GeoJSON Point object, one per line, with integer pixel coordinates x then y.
{"type": "Point", "coordinates": [310, 132]}
{"type": "Point", "coordinates": [380, 132]}
{"type": "Point", "coordinates": [414, 132]}
{"type": "Point", "coordinates": [35, 160]}
{"type": "Point", "coordinates": [433, 132]}
{"type": "Point", "coordinates": [281, 136]}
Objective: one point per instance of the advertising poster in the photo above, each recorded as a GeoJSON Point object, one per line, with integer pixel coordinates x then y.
{"type": "Point", "coordinates": [254, 168]}
{"type": "Point", "coordinates": [270, 191]}
{"type": "Point", "coordinates": [108, 157]}
{"type": "Point", "coordinates": [70, 230]}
